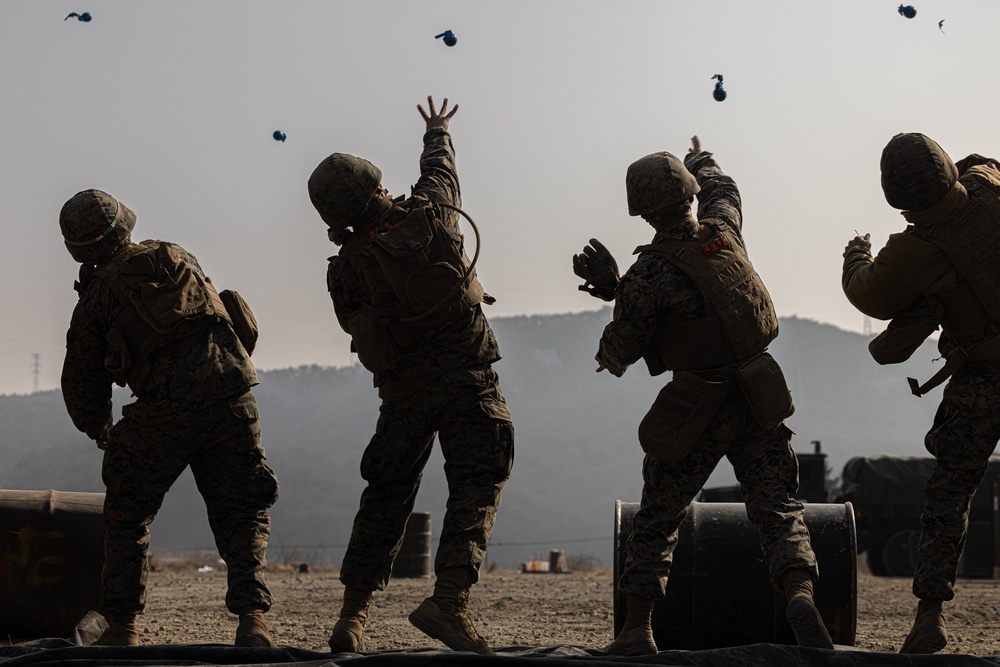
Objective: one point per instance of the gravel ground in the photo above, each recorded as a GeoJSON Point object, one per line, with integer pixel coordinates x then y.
{"type": "Point", "coordinates": [186, 607]}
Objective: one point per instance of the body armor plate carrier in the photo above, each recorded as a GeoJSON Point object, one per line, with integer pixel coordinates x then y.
{"type": "Point", "coordinates": [167, 299]}
{"type": "Point", "coordinates": [972, 242]}
{"type": "Point", "coordinates": [417, 275]}
{"type": "Point", "coordinates": [743, 321]}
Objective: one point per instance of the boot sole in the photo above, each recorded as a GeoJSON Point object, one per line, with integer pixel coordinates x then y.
{"type": "Point", "coordinates": [807, 624]}
{"type": "Point", "coordinates": [427, 626]}
{"type": "Point", "coordinates": [931, 640]}
{"type": "Point", "coordinates": [345, 642]}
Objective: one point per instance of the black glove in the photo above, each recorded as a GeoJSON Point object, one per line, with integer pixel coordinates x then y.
{"type": "Point", "coordinates": [598, 269]}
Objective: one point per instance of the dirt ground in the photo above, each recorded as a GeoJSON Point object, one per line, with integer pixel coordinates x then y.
{"type": "Point", "coordinates": [186, 607]}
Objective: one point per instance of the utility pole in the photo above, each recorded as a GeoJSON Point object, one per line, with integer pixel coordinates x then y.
{"type": "Point", "coordinates": [36, 369]}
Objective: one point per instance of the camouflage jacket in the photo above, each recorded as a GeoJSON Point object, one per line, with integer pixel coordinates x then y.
{"type": "Point", "coordinates": [213, 367]}
{"type": "Point", "coordinates": [909, 267]}
{"type": "Point", "coordinates": [653, 288]}
{"type": "Point", "coordinates": [463, 345]}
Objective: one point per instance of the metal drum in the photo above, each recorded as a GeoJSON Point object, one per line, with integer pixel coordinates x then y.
{"type": "Point", "coordinates": [51, 555]}
{"type": "Point", "coordinates": [719, 591]}
{"type": "Point", "coordinates": [414, 557]}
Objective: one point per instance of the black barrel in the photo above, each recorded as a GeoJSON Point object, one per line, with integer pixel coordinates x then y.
{"type": "Point", "coordinates": [51, 555]}
{"type": "Point", "coordinates": [414, 558]}
{"type": "Point", "coordinates": [719, 591]}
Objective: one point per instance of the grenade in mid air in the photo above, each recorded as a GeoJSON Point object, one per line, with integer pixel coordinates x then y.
{"type": "Point", "coordinates": [85, 17]}
{"type": "Point", "coordinates": [449, 37]}
{"type": "Point", "coordinates": [279, 135]}
{"type": "Point", "coordinates": [719, 93]}
{"type": "Point", "coordinates": [908, 11]}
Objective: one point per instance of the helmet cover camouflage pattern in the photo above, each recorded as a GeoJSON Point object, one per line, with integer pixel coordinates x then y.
{"type": "Point", "coordinates": [916, 172]}
{"type": "Point", "coordinates": [656, 181]}
{"type": "Point", "coordinates": [341, 187]}
{"type": "Point", "coordinates": [94, 224]}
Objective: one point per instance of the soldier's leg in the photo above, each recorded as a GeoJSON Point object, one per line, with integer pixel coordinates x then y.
{"type": "Point", "coordinates": [477, 441]}
{"type": "Point", "coordinates": [140, 464]}
{"type": "Point", "coordinates": [667, 491]}
{"type": "Point", "coordinates": [238, 487]}
{"type": "Point", "coordinates": [768, 473]}
{"type": "Point", "coordinates": [963, 437]}
{"type": "Point", "coordinates": [964, 434]}
{"type": "Point", "coordinates": [392, 465]}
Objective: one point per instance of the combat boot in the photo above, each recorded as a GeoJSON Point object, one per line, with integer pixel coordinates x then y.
{"type": "Point", "coordinates": [348, 634]}
{"type": "Point", "coordinates": [636, 636]}
{"type": "Point", "coordinates": [252, 631]}
{"type": "Point", "coordinates": [444, 616]}
{"type": "Point", "coordinates": [801, 611]}
{"type": "Point", "coordinates": [928, 634]}
{"type": "Point", "coordinates": [120, 632]}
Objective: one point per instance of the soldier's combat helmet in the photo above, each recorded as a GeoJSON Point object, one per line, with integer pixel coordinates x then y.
{"type": "Point", "coordinates": [916, 172]}
{"type": "Point", "coordinates": [656, 181]}
{"type": "Point", "coordinates": [341, 188]}
{"type": "Point", "coordinates": [94, 224]}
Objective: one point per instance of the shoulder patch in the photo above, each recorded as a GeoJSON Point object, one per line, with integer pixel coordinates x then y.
{"type": "Point", "coordinates": [718, 243]}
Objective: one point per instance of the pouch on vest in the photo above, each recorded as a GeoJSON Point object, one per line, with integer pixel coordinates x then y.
{"type": "Point", "coordinates": [680, 414]}
{"type": "Point", "coordinates": [376, 349]}
{"type": "Point", "coordinates": [242, 319]}
{"type": "Point", "coordinates": [763, 387]}
{"type": "Point", "coordinates": [906, 332]}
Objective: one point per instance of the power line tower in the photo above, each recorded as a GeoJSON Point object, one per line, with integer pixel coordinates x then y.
{"type": "Point", "coordinates": [866, 328]}
{"type": "Point", "coordinates": [36, 369]}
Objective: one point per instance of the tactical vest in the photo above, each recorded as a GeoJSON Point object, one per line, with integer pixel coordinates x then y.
{"type": "Point", "coordinates": [416, 272]}
{"type": "Point", "coordinates": [971, 240]}
{"type": "Point", "coordinates": [166, 299]}
{"type": "Point", "coordinates": [743, 321]}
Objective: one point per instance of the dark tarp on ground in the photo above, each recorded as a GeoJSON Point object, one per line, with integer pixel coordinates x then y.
{"type": "Point", "coordinates": [62, 652]}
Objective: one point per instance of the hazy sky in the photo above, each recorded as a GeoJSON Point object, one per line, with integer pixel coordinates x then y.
{"type": "Point", "coordinates": [170, 106]}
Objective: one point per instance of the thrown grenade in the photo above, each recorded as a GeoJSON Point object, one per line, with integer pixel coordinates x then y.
{"type": "Point", "coordinates": [908, 11]}
{"type": "Point", "coordinates": [449, 37]}
{"type": "Point", "coordinates": [85, 17]}
{"type": "Point", "coordinates": [279, 135]}
{"type": "Point", "coordinates": [719, 93]}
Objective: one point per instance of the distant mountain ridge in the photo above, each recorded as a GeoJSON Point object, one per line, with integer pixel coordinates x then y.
{"type": "Point", "coordinates": [575, 437]}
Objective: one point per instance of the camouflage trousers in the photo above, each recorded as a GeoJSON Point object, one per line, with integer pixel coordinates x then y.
{"type": "Point", "coordinates": [768, 473]}
{"type": "Point", "coordinates": [470, 417]}
{"type": "Point", "coordinates": [965, 432]}
{"type": "Point", "coordinates": [145, 455]}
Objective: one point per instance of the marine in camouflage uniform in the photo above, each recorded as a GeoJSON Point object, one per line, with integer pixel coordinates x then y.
{"type": "Point", "coordinates": [193, 406]}
{"type": "Point", "coordinates": [946, 268]}
{"type": "Point", "coordinates": [689, 436]}
{"type": "Point", "coordinates": [439, 385]}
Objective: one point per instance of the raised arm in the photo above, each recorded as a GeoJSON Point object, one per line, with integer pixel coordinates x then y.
{"type": "Point", "coordinates": [438, 176]}
{"type": "Point", "coordinates": [719, 197]}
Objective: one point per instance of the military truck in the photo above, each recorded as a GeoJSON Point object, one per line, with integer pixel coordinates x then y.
{"type": "Point", "coordinates": [887, 493]}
